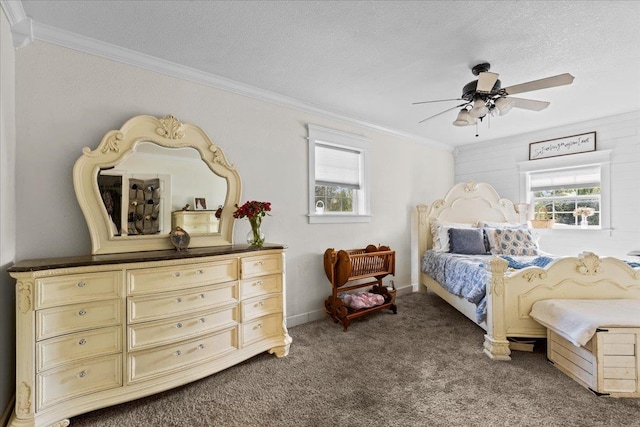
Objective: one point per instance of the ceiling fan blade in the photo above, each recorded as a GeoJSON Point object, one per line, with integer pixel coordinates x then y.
{"type": "Point", "coordinates": [439, 100]}
{"type": "Point", "coordinates": [445, 111]}
{"type": "Point", "coordinates": [529, 104]}
{"type": "Point", "coordinates": [559, 80]}
{"type": "Point", "coordinates": [486, 81]}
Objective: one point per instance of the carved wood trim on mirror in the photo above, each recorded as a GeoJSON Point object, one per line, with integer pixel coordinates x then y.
{"type": "Point", "coordinates": [113, 158]}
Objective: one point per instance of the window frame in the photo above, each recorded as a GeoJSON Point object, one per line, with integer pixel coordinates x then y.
{"type": "Point", "coordinates": [600, 158]}
{"type": "Point", "coordinates": [362, 197]}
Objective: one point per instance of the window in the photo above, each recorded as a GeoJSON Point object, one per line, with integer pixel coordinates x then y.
{"type": "Point", "coordinates": [560, 192]}
{"type": "Point", "coordinates": [563, 184]}
{"type": "Point", "coordinates": [338, 176]}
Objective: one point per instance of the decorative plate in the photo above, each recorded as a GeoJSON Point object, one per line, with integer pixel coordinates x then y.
{"type": "Point", "coordinates": [179, 238]}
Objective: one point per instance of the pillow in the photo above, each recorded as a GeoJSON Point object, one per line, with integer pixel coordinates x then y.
{"type": "Point", "coordinates": [490, 224]}
{"type": "Point", "coordinates": [516, 242]}
{"type": "Point", "coordinates": [467, 241]}
{"type": "Point", "coordinates": [490, 229]}
{"type": "Point", "coordinates": [440, 233]}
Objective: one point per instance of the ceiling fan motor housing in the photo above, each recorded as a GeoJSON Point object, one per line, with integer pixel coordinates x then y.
{"type": "Point", "coordinates": [469, 91]}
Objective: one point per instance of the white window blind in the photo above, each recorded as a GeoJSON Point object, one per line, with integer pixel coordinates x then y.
{"type": "Point", "coordinates": [581, 177]}
{"type": "Point", "coordinates": [337, 166]}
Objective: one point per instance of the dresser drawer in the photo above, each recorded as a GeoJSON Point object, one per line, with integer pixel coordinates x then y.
{"type": "Point", "coordinates": [167, 304]}
{"type": "Point", "coordinates": [261, 265]}
{"type": "Point", "coordinates": [61, 384]}
{"type": "Point", "coordinates": [59, 290]}
{"type": "Point", "coordinates": [261, 286]}
{"type": "Point", "coordinates": [97, 342]}
{"type": "Point", "coordinates": [258, 307]}
{"type": "Point", "coordinates": [51, 322]}
{"type": "Point", "coordinates": [148, 280]}
{"type": "Point", "coordinates": [147, 364]}
{"type": "Point", "coordinates": [264, 327]}
{"type": "Point", "coordinates": [162, 332]}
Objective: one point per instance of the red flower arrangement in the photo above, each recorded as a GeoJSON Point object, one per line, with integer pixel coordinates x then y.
{"type": "Point", "coordinates": [254, 212]}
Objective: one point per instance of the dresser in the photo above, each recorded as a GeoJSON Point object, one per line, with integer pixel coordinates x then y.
{"type": "Point", "coordinates": [99, 330]}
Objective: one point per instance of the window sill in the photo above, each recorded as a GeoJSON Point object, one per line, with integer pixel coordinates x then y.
{"type": "Point", "coordinates": [337, 219]}
{"type": "Point", "coordinates": [573, 230]}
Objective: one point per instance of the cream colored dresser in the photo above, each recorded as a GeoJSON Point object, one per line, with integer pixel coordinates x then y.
{"type": "Point", "coordinates": [99, 330]}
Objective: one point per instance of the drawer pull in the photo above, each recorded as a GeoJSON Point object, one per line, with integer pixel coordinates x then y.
{"type": "Point", "coordinates": [201, 296]}
{"type": "Point", "coordinates": [178, 353]}
{"type": "Point", "coordinates": [200, 272]}
{"type": "Point", "coordinates": [82, 312]}
{"type": "Point", "coordinates": [260, 304]}
{"type": "Point", "coordinates": [82, 374]}
{"type": "Point", "coordinates": [200, 346]}
{"type": "Point", "coordinates": [258, 283]}
{"type": "Point", "coordinates": [178, 325]}
{"type": "Point", "coordinates": [176, 274]}
{"type": "Point", "coordinates": [81, 284]}
{"type": "Point", "coordinates": [82, 342]}
{"type": "Point", "coordinates": [178, 299]}
{"type": "Point", "coordinates": [259, 263]}
{"type": "Point", "coordinates": [259, 326]}
{"type": "Point", "coordinates": [202, 320]}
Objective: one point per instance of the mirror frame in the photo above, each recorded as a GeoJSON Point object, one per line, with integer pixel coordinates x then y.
{"type": "Point", "coordinates": [116, 145]}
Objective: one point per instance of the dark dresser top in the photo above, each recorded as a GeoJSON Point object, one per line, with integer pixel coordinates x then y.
{"type": "Point", "coordinates": [129, 257]}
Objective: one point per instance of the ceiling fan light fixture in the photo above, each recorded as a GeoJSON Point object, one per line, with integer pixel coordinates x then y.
{"type": "Point", "coordinates": [464, 119]}
{"type": "Point", "coordinates": [479, 109]}
{"type": "Point", "coordinates": [504, 105]}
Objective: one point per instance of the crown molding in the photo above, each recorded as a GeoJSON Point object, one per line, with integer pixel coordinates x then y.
{"type": "Point", "coordinates": [14, 11]}
{"type": "Point", "coordinates": [92, 46]}
{"type": "Point", "coordinates": [21, 25]}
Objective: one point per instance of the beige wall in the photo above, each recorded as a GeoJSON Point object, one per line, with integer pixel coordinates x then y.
{"type": "Point", "coordinates": [67, 100]}
{"type": "Point", "coordinates": [8, 211]}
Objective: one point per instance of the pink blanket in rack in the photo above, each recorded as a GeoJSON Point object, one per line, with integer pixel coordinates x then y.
{"type": "Point", "coordinates": [362, 300]}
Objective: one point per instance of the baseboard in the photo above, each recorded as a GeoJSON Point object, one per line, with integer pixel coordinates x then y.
{"type": "Point", "coordinates": [7, 411]}
{"type": "Point", "coordinates": [300, 319]}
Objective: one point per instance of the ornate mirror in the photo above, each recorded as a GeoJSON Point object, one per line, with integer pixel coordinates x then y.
{"type": "Point", "coordinates": [151, 176]}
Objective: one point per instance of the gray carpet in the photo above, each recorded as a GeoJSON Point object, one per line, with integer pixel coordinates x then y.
{"type": "Point", "coordinates": [421, 367]}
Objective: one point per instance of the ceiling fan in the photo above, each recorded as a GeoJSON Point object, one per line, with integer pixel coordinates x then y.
{"type": "Point", "coordinates": [487, 96]}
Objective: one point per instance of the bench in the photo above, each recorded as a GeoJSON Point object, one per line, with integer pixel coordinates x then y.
{"type": "Point", "coordinates": [595, 342]}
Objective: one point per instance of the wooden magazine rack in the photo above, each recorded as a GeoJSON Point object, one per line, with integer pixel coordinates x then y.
{"type": "Point", "coordinates": [351, 269]}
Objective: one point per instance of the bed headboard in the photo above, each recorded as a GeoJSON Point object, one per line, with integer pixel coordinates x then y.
{"type": "Point", "coordinates": [466, 202]}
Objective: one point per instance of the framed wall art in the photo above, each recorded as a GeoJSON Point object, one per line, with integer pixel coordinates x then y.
{"type": "Point", "coordinates": [563, 146]}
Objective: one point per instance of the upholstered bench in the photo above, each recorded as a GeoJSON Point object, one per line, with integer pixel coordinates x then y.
{"type": "Point", "coordinates": [595, 342]}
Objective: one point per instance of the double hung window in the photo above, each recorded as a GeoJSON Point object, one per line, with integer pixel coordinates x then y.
{"type": "Point", "coordinates": [338, 176]}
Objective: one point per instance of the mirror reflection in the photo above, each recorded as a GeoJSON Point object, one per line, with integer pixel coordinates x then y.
{"type": "Point", "coordinates": [156, 188]}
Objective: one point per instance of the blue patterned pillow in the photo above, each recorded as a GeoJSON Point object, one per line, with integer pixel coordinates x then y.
{"type": "Point", "coordinates": [467, 241]}
{"type": "Point", "coordinates": [516, 242]}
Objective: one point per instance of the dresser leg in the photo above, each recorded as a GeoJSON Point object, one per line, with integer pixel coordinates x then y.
{"type": "Point", "coordinates": [61, 423]}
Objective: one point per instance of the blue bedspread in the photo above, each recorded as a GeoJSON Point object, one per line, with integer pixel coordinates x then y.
{"type": "Point", "coordinates": [466, 277]}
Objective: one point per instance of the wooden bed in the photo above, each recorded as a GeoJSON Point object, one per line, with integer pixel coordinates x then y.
{"type": "Point", "coordinates": [510, 294]}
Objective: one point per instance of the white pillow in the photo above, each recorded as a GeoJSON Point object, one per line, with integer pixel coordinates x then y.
{"type": "Point", "coordinates": [440, 233]}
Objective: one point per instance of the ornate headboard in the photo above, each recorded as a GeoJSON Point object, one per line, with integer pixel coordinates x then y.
{"type": "Point", "coordinates": [466, 202]}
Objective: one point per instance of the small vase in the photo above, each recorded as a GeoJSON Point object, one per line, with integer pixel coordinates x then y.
{"type": "Point", "coordinates": [584, 223]}
{"type": "Point", "coordinates": [255, 237]}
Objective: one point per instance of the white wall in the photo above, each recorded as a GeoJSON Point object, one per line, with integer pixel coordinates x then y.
{"type": "Point", "coordinates": [495, 162]}
{"type": "Point", "coordinates": [67, 100]}
{"type": "Point", "coordinates": [8, 211]}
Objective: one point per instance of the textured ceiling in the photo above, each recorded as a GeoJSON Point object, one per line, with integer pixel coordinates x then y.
{"type": "Point", "coordinates": [369, 60]}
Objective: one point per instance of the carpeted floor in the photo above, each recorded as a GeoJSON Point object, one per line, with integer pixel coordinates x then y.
{"type": "Point", "coordinates": [421, 367]}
